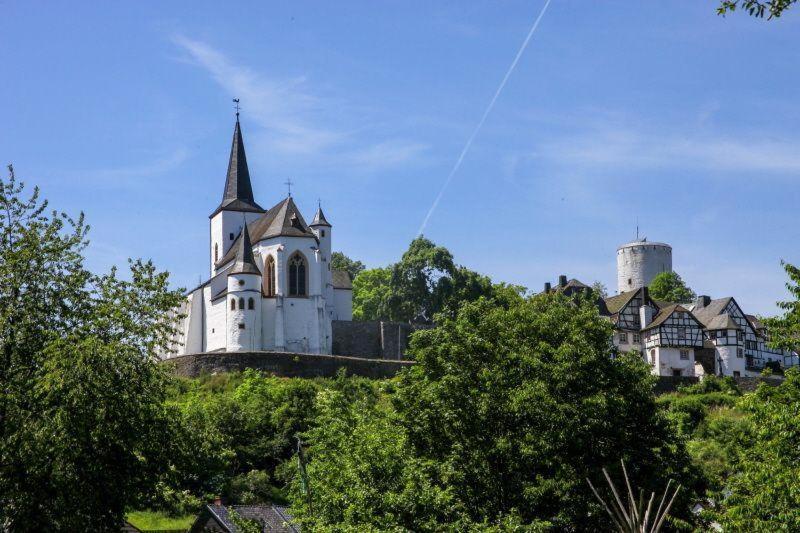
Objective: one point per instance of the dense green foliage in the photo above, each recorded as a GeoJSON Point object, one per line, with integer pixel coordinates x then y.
{"type": "Point", "coordinates": [82, 404]}
{"type": "Point", "coordinates": [507, 411]}
{"type": "Point", "coordinates": [784, 330]}
{"type": "Point", "coordinates": [765, 490]}
{"type": "Point", "coordinates": [339, 261]}
{"type": "Point", "coordinates": [706, 417]}
{"type": "Point", "coordinates": [669, 287]}
{"type": "Point", "coordinates": [426, 281]}
{"type": "Point", "coordinates": [371, 290]}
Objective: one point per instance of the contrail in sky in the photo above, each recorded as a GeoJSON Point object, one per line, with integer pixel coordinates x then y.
{"type": "Point", "coordinates": [483, 118]}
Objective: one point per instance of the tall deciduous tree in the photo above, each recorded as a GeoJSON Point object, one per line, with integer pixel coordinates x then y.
{"type": "Point", "coordinates": [507, 411]}
{"type": "Point", "coordinates": [669, 287]}
{"type": "Point", "coordinates": [339, 261]}
{"type": "Point", "coordinates": [784, 331]}
{"type": "Point", "coordinates": [81, 405]}
{"type": "Point", "coordinates": [765, 491]}
{"type": "Point", "coordinates": [371, 290]}
{"type": "Point", "coordinates": [514, 407]}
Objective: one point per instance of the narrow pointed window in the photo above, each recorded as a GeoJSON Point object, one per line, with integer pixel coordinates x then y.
{"type": "Point", "coordinates": [241, 303]}
{"type": "Point", "coordinates": [251, 304]}
{"type": "Point", "coordinates": [269, 277]}
{"type": "Point", "coordinates": [233, 304]}
{"type": "Point", "coordinates": [297, 275]}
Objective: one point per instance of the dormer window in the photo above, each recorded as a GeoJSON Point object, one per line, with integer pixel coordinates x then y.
{"type": "Point", "coordinates": [295, 222]}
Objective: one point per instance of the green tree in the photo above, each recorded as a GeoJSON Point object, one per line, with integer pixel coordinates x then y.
{"type": "Point", "coordinates": [600, 289]}
{"type": "Point", "coordinates": [361, 476]}
{"type": "Point", "coordinates": [669, 287]}
{"type": "Point", "coordinates": [82, 403]}
{"type": "Point", "coordinates": [784, 331]}
{"type": "Point", "coordinates": [507, 411]}
{"type": "Point", "coordinates": [514, 407]}
{"type": "Point", "coordinates": [420, 281]}
{"type": "Point", "coordinates": [339, 261]}
{"type": "Point", "coordinates": [371, 290]}
{"type": "Point", "coordinates": [765, 491]}
{"type": "Point", "coordinates": [756, 8]}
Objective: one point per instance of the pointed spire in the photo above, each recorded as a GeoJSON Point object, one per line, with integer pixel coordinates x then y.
{"type": "Point", "coordinates": [245, 262]}
{"type": "Point", "coordinates": [319, 218]}
{"type": "Point", "coordinates": [238, 195]}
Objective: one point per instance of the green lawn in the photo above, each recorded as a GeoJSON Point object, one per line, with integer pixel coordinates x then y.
{"type": "Point", "coordinates": [155, 520]}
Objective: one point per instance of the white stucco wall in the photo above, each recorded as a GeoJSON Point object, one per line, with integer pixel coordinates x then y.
{"type": "Point", "coordinates": [343, 304]}
{"type": "Point", "coordinates": [243, 287]}
{"type": "Point", "coordinates": [222, 226]}
{"type": "Point", "coordinates": [668, 360]}
{"type": "Point", "coordinates": [731, 363]}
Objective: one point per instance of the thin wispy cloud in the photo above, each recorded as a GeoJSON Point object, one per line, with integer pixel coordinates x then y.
{"type": "Point", "coordinates": [294, 115]}
{"type": "Point", "coordinates": [630, 148]}
{"type": "Point", "coordinates": [132, 176]}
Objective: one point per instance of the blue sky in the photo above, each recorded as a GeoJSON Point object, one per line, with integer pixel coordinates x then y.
{"type": "Point", "coordinates": [617, 111]}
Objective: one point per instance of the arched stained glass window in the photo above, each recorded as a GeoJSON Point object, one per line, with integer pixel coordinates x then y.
{"type": "Point", "coordinates": [297, 275]}
{"type": "Point", "coordinates": [269, 277]}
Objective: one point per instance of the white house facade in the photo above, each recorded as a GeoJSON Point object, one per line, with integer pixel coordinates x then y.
{"type": "Point", "coordinates": [271, 286]}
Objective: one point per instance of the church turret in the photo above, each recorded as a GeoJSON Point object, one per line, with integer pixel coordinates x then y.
{"type": "Point", "coordinates": [244, 299]}
{"type": "Point", "coordinates": [237, 203]}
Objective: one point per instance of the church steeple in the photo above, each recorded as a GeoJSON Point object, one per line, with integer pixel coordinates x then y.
{"type": "Point", "coordinates": [319, 218]}
{"type": "Point", "coordinates": [245, 262]}
{"type": "Point", "coordinates": [238, 195]}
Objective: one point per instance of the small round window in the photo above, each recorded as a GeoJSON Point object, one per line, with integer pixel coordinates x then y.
{"type": "Point", "coordinates": [241, 282]}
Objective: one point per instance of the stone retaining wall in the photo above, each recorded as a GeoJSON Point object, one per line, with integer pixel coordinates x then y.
{"type": "Point", "coordinates": [746, 384]}
{"type": "Point", "coordinates": [284, 364]}
{"type": "Point", "coordinates": [372, 339]}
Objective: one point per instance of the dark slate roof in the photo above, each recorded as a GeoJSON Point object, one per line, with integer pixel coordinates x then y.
{"type": "Point", "coordinates": [238, 194]}
{"type": "Point", "coordinates": [319, 218]}
{"type": "Point", "coordinates": [664, 314]}
{"type": "Point", "coordinates": [724, 321]}
{"type": "Point", "coordinates": [715, 307]}
{"type": "Point", "coordinates": [283, 219]}
{"type": "Point", "coordinates": [615, 304]}
{"type": "Point", "coordinates": [245, 262]}
{"type": "Point", "coordinates": [755, 322]}
{"type": "Point", "coordinates": [272, 518]}
{"type": "Point", "coordinates": [341, 280]}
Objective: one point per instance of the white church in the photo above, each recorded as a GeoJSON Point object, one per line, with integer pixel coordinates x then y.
{"type": "Point", "coordinates": [271, 286]}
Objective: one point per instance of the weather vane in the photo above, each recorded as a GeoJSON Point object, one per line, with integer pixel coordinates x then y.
{"type": "Point", "coordinates": [236, 102]}
{"type": "Point", "coordinates": [288, 183]}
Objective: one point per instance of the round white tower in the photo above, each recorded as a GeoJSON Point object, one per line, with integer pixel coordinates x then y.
{"type": "Point", "coordinates": [639, 262]}
{"type": "Point", "coordinates": [243, 306]}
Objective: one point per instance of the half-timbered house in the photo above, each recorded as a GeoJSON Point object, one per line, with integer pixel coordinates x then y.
{"type": "Point", "coordinates": [671, 339]}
